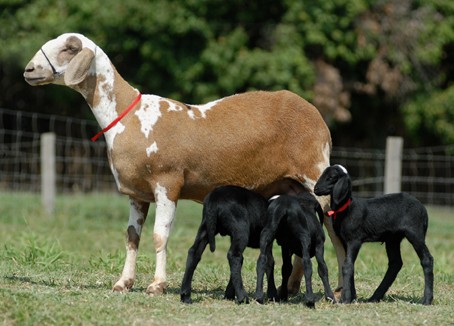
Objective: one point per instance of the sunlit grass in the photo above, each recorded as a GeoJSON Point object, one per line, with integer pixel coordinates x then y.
{"type": "Point", "coordinates": [60, 269]}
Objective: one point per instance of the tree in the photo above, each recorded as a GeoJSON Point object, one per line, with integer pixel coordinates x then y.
{"type": "Point", "coordinates": [372, 67]}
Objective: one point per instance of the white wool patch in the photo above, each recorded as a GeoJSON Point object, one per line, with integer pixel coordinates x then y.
{"type": "Point", "coordinates": [149, 113]}
{"type": "Point", "coordinates": [165, 212]}
{"type": "Point", "coordinates": [202, 109]}
{"type": "Point", "coordinates": [172, 106]}
{"type": "Point", "coordinates": [325, 162]}
{"type": "Point", "coordinates": [153, 148]}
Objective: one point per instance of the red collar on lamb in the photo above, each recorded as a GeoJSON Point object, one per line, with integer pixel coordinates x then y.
{"type": "Point", "coordinates": [341, 209]}
{"type": "Point", "coordinates": [113, 123]}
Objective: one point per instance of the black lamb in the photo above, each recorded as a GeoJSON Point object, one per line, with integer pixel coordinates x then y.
{"type": "Point", "coordinates": [292, 221]}
{"type": "Point", "coordinates": [240, 214]}
{"type": "Point", "coordinates": [388, 219]}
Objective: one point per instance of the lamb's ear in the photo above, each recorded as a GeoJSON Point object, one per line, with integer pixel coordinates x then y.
{"type": "Point", "coordinates": [341, 192]}
{"type": "Point", "coordinates": [78, 67]}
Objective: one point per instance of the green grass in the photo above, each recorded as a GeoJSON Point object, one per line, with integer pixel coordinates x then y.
{"type": "Point", "coordinates": [60, 270]}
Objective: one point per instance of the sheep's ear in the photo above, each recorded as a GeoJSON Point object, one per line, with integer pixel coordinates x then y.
{"type": "Point", "coordinates": [78, 67]}
{"type": "Point", "coordinates": [341, 192]}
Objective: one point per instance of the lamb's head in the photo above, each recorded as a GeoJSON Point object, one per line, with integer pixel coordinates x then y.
{"type": "Point", "coordinates": [64, 60]}
{"type": "Point", "coordinates": [334, 181]}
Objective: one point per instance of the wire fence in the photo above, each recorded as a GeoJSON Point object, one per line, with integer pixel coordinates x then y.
{"type": "Point", "coordinates": [82, 165]}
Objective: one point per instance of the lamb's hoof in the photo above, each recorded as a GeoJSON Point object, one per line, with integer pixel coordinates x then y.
{"type": "Point", "coordinates": [373, 300]}
{"type": "Point", "coordinates": [186, 299]}
{"type": "Point", "coordinates": [122, 286]}
{"type": "Point", "coordinates": [245, 300]}
{"type": "Point", "coordinates": [259, 299]}
{"type": "Point", "coordinates": [156, 288]}
{"type": "Point", "coordinates": [310, 304]}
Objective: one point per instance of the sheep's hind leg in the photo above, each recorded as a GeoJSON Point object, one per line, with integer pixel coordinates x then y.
{"type": "Point", "coordinates": [394, 266]}
{"type": "Point", "coordinates": [137, 215]}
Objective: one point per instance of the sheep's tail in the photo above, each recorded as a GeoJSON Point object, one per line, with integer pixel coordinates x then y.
{"type": "Point", "coordinates": [210, 217]}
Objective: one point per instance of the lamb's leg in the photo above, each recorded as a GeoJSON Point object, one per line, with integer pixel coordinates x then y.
{"type": "Point", "coordinates": [323, 271]}
{"type": "Point", "coordinates": [348, 271]}
{"type": "Point", "coordinates": [286, 271]}
{"type": "Point", "coordinates": [166, 204]}
{"type": "Point", "coordinates": [137, 214]}
{"type": "Point", "coordinates": [427, 263]}
{"type": "Point", "coordinates": [394, 266]}
{"type": "Point", "coordinates": [266, 245]}
{"type": "Point", "coordinates": [194, 256]}
{"type": "Point", "coordinates": [235, 257]}
{"type": "Point", "coordinates": [309, 296]}
{"type": "Point", "coordinates": [271, 288]}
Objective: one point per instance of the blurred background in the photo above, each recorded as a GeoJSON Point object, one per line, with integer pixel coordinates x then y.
{"type": "Point", "coordinates": [374, 68]}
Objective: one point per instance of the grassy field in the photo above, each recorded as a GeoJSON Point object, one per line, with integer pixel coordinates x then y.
{"type": "Point", "coordinates": [60, 270]}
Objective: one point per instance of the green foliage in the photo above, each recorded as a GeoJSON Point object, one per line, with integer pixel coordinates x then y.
{"type": "Point", "coordinates": [432, 114]}
{"type": "Point", "coordinates": [34, 251]}
{"type": "Point", "coordinates": [200, 50]}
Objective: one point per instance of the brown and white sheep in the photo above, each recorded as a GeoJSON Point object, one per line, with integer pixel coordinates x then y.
{"type": "Point", "coordinates": [161, 150]}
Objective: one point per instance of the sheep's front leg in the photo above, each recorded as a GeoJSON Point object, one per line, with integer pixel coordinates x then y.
{"type": "Point", "coordinates": [137, 215]}
{"type": "Point", "coordinates": [165, 215]}
{"type": "Point", "coordinates": [340, 252]}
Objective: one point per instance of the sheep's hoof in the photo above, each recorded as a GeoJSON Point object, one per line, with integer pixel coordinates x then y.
{"type": "Point", "coordinates": [293, 288]}
{"type": "Point", "coordinates": [123, 286]}
{"type": "Point", "coordinates": [156, 288]}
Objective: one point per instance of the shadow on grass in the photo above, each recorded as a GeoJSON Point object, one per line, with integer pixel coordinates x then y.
{"type": "Point", "coordinates": [51, 282]}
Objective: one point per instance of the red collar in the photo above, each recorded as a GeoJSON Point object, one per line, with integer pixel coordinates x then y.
{"type": "Point", "coordinates": [117, 119]}
{"type": "Point", "coordinates": [341, 209]}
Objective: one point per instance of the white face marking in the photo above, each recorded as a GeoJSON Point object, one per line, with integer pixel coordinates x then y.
{"type": "Point", "coordinates": [342, 168]}
{"type": "Point", "coordinates": [274, 197]}
{"type": "Point", "coordinates": [52, 48]}
{"type": "Point", "coordinates": [153, 148]}
{"type": "Point", "coordinates": [149, 113]}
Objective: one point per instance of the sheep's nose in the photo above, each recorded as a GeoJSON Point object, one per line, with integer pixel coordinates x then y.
{"type": "Point", "coordinates": [30, 67]}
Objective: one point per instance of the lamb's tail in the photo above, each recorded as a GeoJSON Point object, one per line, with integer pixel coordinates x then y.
{"type": "Point", "coordinates": [210, 217]}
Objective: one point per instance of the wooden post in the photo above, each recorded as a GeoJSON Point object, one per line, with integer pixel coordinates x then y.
{"type": "Point", "coordinates": [48, 172]}
{"type": "Point", "coordinates": [393, 165]}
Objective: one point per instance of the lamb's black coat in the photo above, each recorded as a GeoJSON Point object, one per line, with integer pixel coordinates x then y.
{"type": "Point", "coordinates": [293, 222]}
{"type": "Point", "coordinates": [387, 219]}
{"type": "Point", "coordinates": [238, 213]}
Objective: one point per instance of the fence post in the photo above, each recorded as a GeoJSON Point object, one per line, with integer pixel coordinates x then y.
{"type": "Point", "coordinates": [48, 172]}
{"type": "Point", "coordinates": [393, 164]}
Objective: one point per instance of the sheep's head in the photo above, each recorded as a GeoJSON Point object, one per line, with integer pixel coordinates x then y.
{"type": "Point", "coordinates": [65, 60]}
{"type": "Point", "coordinates": [334, 181]}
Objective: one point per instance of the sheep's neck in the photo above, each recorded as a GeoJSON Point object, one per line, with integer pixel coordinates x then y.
{"type": "Point", "coordinates": [107, 96]}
